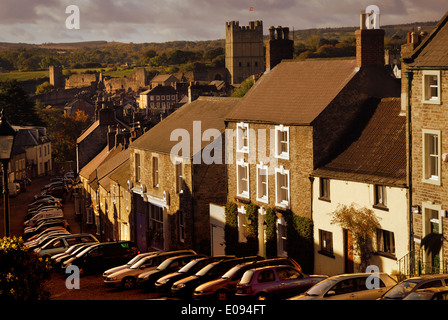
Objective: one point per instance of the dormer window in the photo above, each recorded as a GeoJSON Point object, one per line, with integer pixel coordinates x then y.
{"type": "Point", "coordinates": [431, 87]}
{"type": "Point", "coordinates": [242, 137]}
{"type": "Point", "coordinates": [282, 142]}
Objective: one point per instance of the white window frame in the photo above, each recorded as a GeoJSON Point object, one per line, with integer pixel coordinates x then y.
{"type": "Point", "coordinates": [138, 171]}
{"type": "Point", "coordinates": [278, 153]}
{"type": "Point", "coordinates": [155, 172]}
{"type": "Point", "coordinates": [282, 237]}
{"type": "Point", "coordinates": [241, 165]}
{"type": "Point", "coordinates": [179, 172]}
{"type": "Point", "coordinates": [242, 224]}
{"type": "Point", "coordinates": [240, 147]}
{"type": "Point", "coordinates": [427, 98]}
{"type": "Point", "coordinates": [265, 197]}
{"type": "Point", "coordinates": [426, 135]}
{"type": "Point", "coordinates": [283, 203]}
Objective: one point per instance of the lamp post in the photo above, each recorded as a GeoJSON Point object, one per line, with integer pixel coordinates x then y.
{"type": "Point", "coordinates": [7, 136]}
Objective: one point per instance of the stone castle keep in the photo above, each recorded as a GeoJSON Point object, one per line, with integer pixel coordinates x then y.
{"type": "Point", "coordinates": [245, 51]}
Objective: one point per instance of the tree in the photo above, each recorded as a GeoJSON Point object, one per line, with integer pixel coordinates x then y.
{"type": "Point", "coordinates": [363, 223]}
{"type": "Point", "coordinates": [44, 88]}
{"type": "Point", "coordinates": [22, 272]}
{"type": "Point", "coordinates": [17, 107]}
{"type": "Point", "coordinates": [242, 90]}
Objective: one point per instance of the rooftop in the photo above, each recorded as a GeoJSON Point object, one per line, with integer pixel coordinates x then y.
{"type": "Point", "coordinates": [379, 154]}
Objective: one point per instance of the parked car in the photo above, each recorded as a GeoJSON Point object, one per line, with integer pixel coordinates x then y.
{"type": "Point", "coordinates": [102, 256]}
{"type": "Point", "coordinates": [57, 221]}
{"type": "Point", "coordinates": [45, 215]}
{"type": "Point", "coordinates": [32, 213]}
{"type": "Point", "coordinates": [46, 231]}
{"type": "Point", "coordinates": [44, 226]}
{"type": "Point", "coordinates": [148, 278]}
{"type": "Point", "coordinates": [44, 238]}
{"type": "Point", "coordinates": [184, 288]}
{"type": "Point", "coordinates": [352, 286]}
{"type": "Point", "coordinates": [164, 283]}
{"type": "Point", "coordinates": [275, 282]}
{"type": "Point", "coordinates": [405, 287]}
{"type": "Point", "coordinates": [127, 278]}
{"type": "Point", "coordinates": [224, 288]}
{"type": "Point", "coordinates": [141, 256]}
{"type": "Point", "coordinates": [62, 243]}
{"type": "Point", "coordinates": [58, 259]}
{"type": "Point", "coordinates": [438, 293]}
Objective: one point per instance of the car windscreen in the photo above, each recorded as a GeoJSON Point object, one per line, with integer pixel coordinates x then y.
{"type": "Point", "coordinates": [141, 262]}
{"type": "Point", "coordinates": [322, 287]}
{"type": "Point", "coordinates": [205, 270]}
{"type": "Point", "coordinates": [247, 277]}
{"type": "Point", "coordinates": [229, 274]}
{"type": "Point", "coordinates": [401, 290]}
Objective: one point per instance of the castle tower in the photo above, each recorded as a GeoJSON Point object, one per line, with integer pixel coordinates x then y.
{"type": "Point", "coordinates": [56, 78]}
{"type": "Point", "coordinates": [244, 50]}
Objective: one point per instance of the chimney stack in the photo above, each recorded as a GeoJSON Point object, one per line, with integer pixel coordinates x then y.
{"type": "Point", "coordinates": [369, 41]}
{"type": "Point", "coordinates": [278, 47]}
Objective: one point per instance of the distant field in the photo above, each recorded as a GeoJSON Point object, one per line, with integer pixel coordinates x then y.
{"type": "Point", "coordinates": [35, 75]}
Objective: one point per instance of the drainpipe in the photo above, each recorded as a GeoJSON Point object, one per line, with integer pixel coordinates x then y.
{"type": "Point", "coordinates": [409, 76]}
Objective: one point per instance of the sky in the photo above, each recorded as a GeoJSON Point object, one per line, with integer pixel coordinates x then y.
{"type": "Point", "coordinates": [138, 21]}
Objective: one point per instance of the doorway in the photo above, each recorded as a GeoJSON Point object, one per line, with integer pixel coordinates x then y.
{"type": "Point", "coordinates": [348, 251]}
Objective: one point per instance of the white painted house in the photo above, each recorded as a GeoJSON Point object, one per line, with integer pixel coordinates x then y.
{"type": "Point", "coordinates": [370, 173]}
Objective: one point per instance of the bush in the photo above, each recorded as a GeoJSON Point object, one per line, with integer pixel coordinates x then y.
{"type": "Point", "coordinates": [22, 272]}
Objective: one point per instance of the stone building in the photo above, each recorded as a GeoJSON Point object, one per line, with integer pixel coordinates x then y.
{"type": "Point", "coordinates": [425, 98]}
{"type": "Point", "coordinates": [171, 182]}
{"type": "Point", "coordinates": [244, 50]}
{"type": "Point", "coordinates": [369, 174]}
{"type": "Point", "coordinates": [296, 119]}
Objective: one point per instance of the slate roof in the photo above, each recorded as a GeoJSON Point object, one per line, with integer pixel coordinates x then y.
{"type": "Point", "coordinates": [295, 91]}
{"type": "Point", "coordinates": [160, 90]}
{"type": "Point", "coordinates": [30, 136]}
{"type": "Point", "coordinates": [433, 51]}
{"type": "Point", "coordinates": [210, 111]}
{"type": "Point", "coordinates": [379, 154]}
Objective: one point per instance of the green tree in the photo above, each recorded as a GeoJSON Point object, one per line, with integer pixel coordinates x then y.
{"type": "Point", "coordinates": [17, 107]}
{"type": "Point", "coordinates": [242, 90]}
{"type": "Point", "coordinates": [22, 272]}
{"type": "Point", "coordinates": [44, 88]}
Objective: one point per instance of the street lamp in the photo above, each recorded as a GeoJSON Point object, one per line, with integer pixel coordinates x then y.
{"type": "Point", "coordinates": [7, 136]}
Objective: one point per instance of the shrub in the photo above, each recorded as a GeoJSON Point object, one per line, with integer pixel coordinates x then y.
{"type": "Point", "coordinates": [22, 272]}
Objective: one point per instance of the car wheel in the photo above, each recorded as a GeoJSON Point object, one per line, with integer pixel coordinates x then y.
{"type": "Point", "coordinates": [128, 283]}
{"type": "Point", "coordinates": [262, 296]}
{"type": "Point", "coordinates": [222, 295]}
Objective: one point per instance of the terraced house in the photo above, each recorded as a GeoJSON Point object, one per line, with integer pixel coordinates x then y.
{"type": "Point", "coordinates": [172, 180]}
{"type": "Point", "coordinates": [425, 88]}
{"type": "Point", "coordinates": [297, 117]}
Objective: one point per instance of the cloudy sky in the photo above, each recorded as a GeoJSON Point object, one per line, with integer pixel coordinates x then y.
{"type": "Point", "coordinates": [40, 21]}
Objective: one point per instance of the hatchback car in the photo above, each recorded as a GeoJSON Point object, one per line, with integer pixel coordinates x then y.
{"type": "Point", "coordinates": [164, 283]}
{"type": "Point", "coordinates": [184, 288]}
{"type": "Point", "coordinates": [58, 259]}
{"type": "Point", "coordinates": [127, 278]}
{"type": "Point", "coordinates": [405, 287]}
{"type": "Point", "coordinates": [274, 282]}
{"type": "Point", "coordinates": [225, 287]}
{"type": "Point", "coordinates": [351, 286]}
{"type": "Point", "coordinates": [62, 243]}
{"type": "Point", "coordinates": [147, 279]}
{"type": "Point", "coordinates": [135, 259]}
{"type": "Point", "coordinates": [439, 293]}
{"type": "Point", "coordinates": [102, 256]}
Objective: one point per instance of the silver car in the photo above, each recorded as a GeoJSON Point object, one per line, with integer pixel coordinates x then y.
{"type": "Point", "coordinates": [352, 286]}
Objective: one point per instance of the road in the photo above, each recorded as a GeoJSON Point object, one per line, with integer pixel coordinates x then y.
{"type": "Point", "coordinates": [92, 286]}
